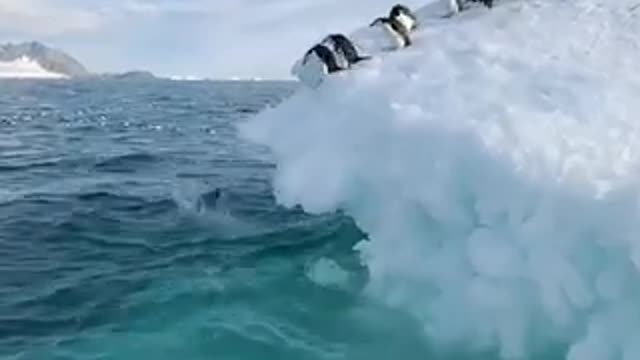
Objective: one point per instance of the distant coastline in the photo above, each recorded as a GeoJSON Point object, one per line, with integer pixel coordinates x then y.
{"type": "Point", "coordinates": [34, 60]}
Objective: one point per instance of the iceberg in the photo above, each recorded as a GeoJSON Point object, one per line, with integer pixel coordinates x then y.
{"type": "Point", "coordinates": [495, 165]}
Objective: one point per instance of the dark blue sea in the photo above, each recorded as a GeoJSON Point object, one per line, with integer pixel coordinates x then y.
{"type": "Point", "coordinates": [136, 224]}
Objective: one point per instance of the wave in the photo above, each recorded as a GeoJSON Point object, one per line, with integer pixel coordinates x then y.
{"type": "Point", "coordinates": [126, 163]}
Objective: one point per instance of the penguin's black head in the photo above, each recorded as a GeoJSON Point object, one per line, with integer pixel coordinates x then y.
{"type": "Point", "coordinates": [400, 9]}
{"type": "Point", "coordinates": [404, 15]}
{"type": "Point", "coordinates": [217, 193]}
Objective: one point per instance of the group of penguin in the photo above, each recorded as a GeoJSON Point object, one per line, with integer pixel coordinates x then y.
{"type": "Point", "coordinates": [336, 52]}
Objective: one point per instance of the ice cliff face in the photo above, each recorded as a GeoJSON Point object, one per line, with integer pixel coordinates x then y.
{"type": "Point", "coordinates": [495, 165]}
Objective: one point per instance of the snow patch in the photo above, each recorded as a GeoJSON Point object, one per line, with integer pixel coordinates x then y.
{"type": "Point", "coordinates": [26, 68]}
{"type": "Point", "coordinates": [185, 78]}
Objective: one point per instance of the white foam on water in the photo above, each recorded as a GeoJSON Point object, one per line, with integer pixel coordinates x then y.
{"type": "Point", "coordinates": [327, 272]}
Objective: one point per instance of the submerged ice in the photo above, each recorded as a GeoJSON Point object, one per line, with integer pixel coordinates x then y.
{"type": "Point", "coordinates": [495, 165]}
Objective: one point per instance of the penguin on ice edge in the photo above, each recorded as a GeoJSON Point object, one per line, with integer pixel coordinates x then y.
{"type": "Point", "coordinates": [334, 53]}
{"type": "Point", "coordinates": [395, 29]}
{"type": "Point", "coordinates": [455, 6]}
{"type": "Point", "coordinates": [399, 24]}
{"type": "Point", "coordinates": [404, 15]}
{"type": "Point", "coordinates": [346, 52]}
{"type": "Point", "coordinates": [324, 55]}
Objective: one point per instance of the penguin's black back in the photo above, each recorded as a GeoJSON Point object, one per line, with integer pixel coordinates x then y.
{"type": "Point", "coordinates": [346, 48]}
{"type": "Point", "coordinates": [326, 55]}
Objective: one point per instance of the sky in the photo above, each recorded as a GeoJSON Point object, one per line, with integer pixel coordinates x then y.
{"type": "Point", "coordinates": [203, 38]}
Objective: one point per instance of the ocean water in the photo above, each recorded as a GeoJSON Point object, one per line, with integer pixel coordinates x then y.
{"type": "Point", "coordinates": [114, 243]}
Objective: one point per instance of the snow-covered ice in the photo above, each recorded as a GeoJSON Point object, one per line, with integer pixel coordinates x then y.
{"type": "Point", "coordinates": [495, 165]}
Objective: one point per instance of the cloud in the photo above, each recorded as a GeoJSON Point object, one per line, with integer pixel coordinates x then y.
{"type": "Point", "coordinates": [265, 38]}
{"type": "Point", "coordinates": [44, 18]}
{"type": "Point", "coordinates": [212, 38]}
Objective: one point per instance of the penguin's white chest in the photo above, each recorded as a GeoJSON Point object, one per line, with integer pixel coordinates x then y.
{"type": "Point", "coordinates": [407, 21]}
{"type": "Point", "coordinates": [311, 71]}
{"type": "Point", "coordinates": [389, 38]}
{"type": "Point", "coordinates": [452, 6]}
{"type": "Point", "coordinates": [341, 60]}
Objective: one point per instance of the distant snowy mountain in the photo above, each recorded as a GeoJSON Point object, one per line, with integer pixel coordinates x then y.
{"type": "Point", "coordinates": [36, 60]}
{"type": "Point", "coordinates": [52, 61]}
{"type": "Point", "coordinates": [24, 67]}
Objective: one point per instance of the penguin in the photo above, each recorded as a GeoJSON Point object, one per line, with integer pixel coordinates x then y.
{"type": "Point", "coordinates": [217, 194]}
{"type": "Point", "coordinates": [455, 6]}
{"type": "Point", "coordinates": [395, 29]}
{"type": "Point", "coordinates": [334, 53]}
{"type": "Point", "coordinates": [404, 15]}
{"type": "Point", "coordinates": [315, 65]}
{"type": "Point", "coordinates": [345, 51]}
{"type": "Point", "coordinates": [325, 56]}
